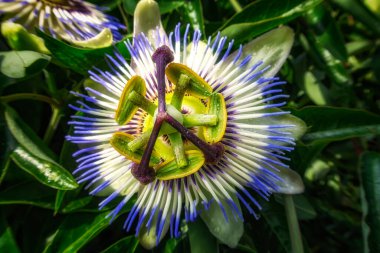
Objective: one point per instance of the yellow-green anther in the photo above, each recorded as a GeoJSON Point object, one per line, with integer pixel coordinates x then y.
{"type": "Point", "coordinates": [189, 120]}
{"type": "Point", "coordinates": [178, 149]}
{"type": "Point", "coordinates": [197, 86]}
{"type": "Point", "coordinates": [169, 170]}
{"type": "Point", "coordinates": [140, 141]}
{"type": "Point", "coordinates": [176, 138]}
{"type": "Point", "coordinates": [179, 91]}
{"type": "Point", "coordinates": [142, 102]}
{"type": "Point", "coordinates": [216, 106]}
{"type": "Point", "coordinates": [126, 108]}
{"type": "Point", "coordinates": [119, 142]}
{"type": "Point", "coordinates": [192, 120]}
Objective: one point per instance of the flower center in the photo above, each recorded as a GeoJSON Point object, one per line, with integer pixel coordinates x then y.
{"type": "Point", "coordinates": [182, 129]}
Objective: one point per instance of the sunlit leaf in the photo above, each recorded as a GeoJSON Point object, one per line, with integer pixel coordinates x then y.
{"type": "Point", "coordinates": [20, 64]}
{"type": "Point", "coordinates": [45, 171]}
{"type": "Point", "coordinates": [33, 156]}
{"type": "Point", "coordinates": [126, 245]}
{"type": "Point", "coordinates": [261, 16]}
{"type": "Point", "coordinates": [332, 124]}
{"type": "Point", "coordinates": [76, 231]}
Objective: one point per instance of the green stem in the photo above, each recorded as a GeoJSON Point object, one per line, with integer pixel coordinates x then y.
{"type": "Point", "coordinates": [5, 169]}
{"type": "Point", "coordinates": [30, 96]}
{"type": "Point", "coordinates": [294, 230]}
{"type": "Point", "coordinates": [53, 124]}
{"type": "Point", "coordinates": [235, 4]}
{"type": "Point", "coordinates": [50, 81]}
{"type": "Point", "coordinates": [142, 102]}
{"type": "Point", "coordinates": [123, 16]}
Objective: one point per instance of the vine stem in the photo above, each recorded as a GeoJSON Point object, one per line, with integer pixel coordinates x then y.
{"type": "Point", "coordinates": [294, 230]}
{"type": "Point", "coordinates": [30, 96]}
{"type": "Point", "coordinates": [53, 124]}
{"type": "Point", "coordinates": [235, 4]}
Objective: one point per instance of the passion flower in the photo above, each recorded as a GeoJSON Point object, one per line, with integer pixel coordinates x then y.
{"type": "Point", "coordinates": [186, 125]}
{"type": "Point", "coordinates": [68, 19]}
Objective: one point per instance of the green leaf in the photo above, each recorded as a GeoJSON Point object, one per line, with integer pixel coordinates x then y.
{"type": "Point", "coordinates": [200, 238]}
{"type": "Point", "coordinates": [129, 6]}
{"type": "Point", "coordinates": [126, 245]}
{"type": "Point", "coordinates": [7, 241]}
{"type": "Point", "coordinates": [315, 89]}
{"type": "Point", "coordinates": [33, 156]}
{"type": "Point", "coordinates": [331, 64]}
{"type": "Point", "coordinates": [274, 215]}
{"type": "Point", "coordinates": [261, 16]}
{"type": "Point", "coordinates": [45, 171]}
{"type": "Point", "coordinates": [7, 144]}
{"type": "Point", "coordinates": [370, 175]}
{"type": "Point", "coordinates": [29, 193]}
{"type": "Point", "coordinates": [59, 197]}
{"type": "Point", "coordinates": [360, 12]}
{"type": "Point", "coordinates": [332, 124]}
{"type": "Point", "coordinates": [167, 6]}
{"type": "Point", "coordinates": [20, 64]}
{"type": "Point", "coordinates": [78, 59]}
{"type": "Point", "coordinates": [77, 230]}
{"type": "Point", "coordinates": [22, 133]}
{"type": "Point", "coordinates": [171, 245]}
{"type": "Point", "coordinates": [194, 12]}
{"type": "Point", "coordinates": [77, 204]}
{"type": "Point", "coordinates": [326, 31]}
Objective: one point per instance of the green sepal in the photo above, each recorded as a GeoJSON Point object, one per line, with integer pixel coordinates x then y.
{"type": "Point", "coordinates": [19, 38]}
{"type": "Point", "coordinates": [216, 106]}
{"type": "Point", "coordinates": [126, 108]}
{"type": "Point", "coordinates": [119, 142]}
{"type": "Point", "coordinates": [197, 87]}
{"type": "Point", "coordinates": [169, 170]}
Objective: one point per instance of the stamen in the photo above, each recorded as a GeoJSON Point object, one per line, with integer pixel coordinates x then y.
{"type": "Point", "coordinates": [213, 153]}
{"type": "Point", "coordinates": [145, 174]}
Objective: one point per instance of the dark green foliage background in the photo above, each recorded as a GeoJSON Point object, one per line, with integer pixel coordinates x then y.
{"type": "Point", "coordinates": [333, 76]}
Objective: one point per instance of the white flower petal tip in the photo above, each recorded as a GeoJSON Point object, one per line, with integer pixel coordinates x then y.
{"type": "Point", "coordinates": [272, 48]}
{"type": "Point", "coordinates": [291, 182]}
{"type": "Point", "coordinates": [234, 142]}
{"type": "Point", "coordinates": [103, 39]}
{"type": "Point", "coordinates": [227, 227]}
{"type": "Point", "coordinates": [147, 20]}
{"type": "Point", "coordinates": [64, 19]}
{"type": "Point", "coordinates": [148, 237]}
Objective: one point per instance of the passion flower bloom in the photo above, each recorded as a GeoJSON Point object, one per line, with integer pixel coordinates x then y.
{"type": "Point", "coordinates": [67, 19]}
{"type": "Point", "coordinates": [187, 126]}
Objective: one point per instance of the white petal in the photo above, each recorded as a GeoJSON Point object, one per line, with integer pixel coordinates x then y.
{"type": "Point", "coordinates": [147, 20]}
{"type": "Point", "coordinates": [272, 48]}
{"type": "Point", "coordinates": [228, 232]}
